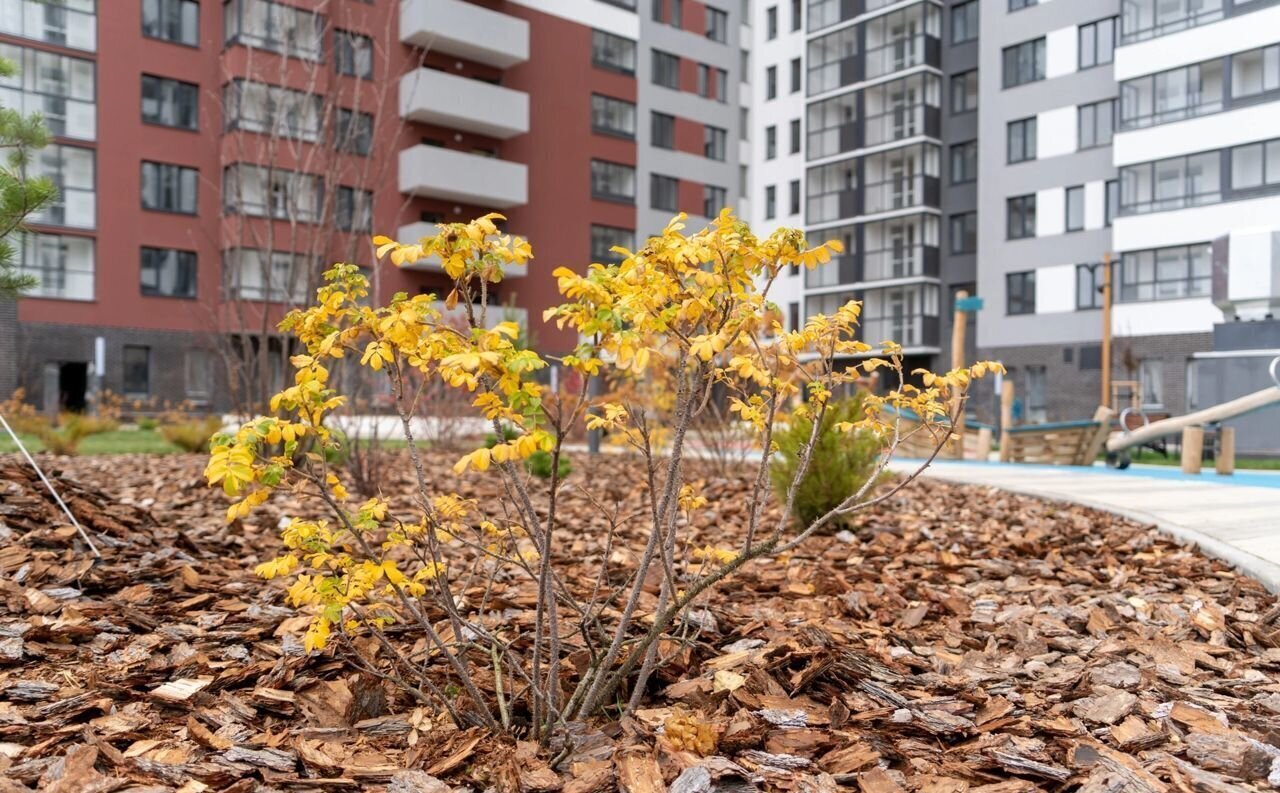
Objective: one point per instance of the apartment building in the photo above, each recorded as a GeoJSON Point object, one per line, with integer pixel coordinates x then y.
{"type": "Point", "coordinates": [214, 157]}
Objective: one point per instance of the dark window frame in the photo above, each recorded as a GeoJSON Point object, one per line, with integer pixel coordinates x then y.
{"type": "Point", "coordinates": [618, 198]}
{"type": "Point", "coordinates": [967, 224]}
{"type": "Point", "coordinates": [1094, 30]}
{"type": "Point", "coordinates": [601, 43]}
{"type": "Point", "coordinates": [1032, 54]}
{"type": "Point", "coordinates": [164, 23]}
{"type": "Point", "coordinates": [658, 187]}
{"type": "Point", "coordinates": [1025, 132]}
{"type": "Point", "coordinates": [967, 151]}
{"type": "Point", "coordinates": [1024, 208]}
{"type": "Point", "coordinates": [1020, 301]}
{"type": "Point", "coordinates": [181, 257]}
{"type": "Point", "coordinates": [159, 83]}
{"type": "Point", "coordinates": [164, 172]}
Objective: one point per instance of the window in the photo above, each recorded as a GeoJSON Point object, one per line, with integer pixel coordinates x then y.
{"type": "Point", "coordinates": [1022, 216]}
{"type": "Point", "coordinates": [962, 229]}
{"type": "Point", "coordinates": [831, 124]}
{"type": "Point", "coordinates": [62, 267]}
{"type": "Point", "coordinates": [770, 142]}
{"type": "Point", "coordinates": [666, 69]}
{"type": "Point", "coordinates": [664, 192]}
{"type": "Point", "coordinates": [1256, 73]}
{"type": "Point", "coordinates": [830, 191]}
{"type": "Point", "coordinates": [353, 132]}
{"type": "Point", "coordinates": [170, 103]}
{"type": "Point", "coordinates": [172, 20]}
{"type": "Point", "coordinates": [662, 130]}
{"type": "Point", "coordinates": [604, 238]}
{"type": "Point", "coordinates": [274, 26]}
{"type": "Point", "coordinates": [168, 273]}
{"type": "Point", "coordinates": [613, 116]}
{"type": "Point", "coordinates": [794, 206]}
{"type": "Point", "coordinates": [1024, 63]}
{"type": "Point", "coordinates": [353, 54]}
{"type": "Point", "coordinates": [1145, 19]}
{"type": "Point", "coordinates": [715, 143]}
{"type": "Point", "coordinates": [272, 109]}
{"type": "Point", "coordinates": [793, 316]}
{"type": "Point", "coordinates": [833, 60]}
{"type": "Point", "coordinates": [795, 136]}
{"type": "Point", "coordinates": [72, 170]}
{"type": "Point", "coordinates": [1037, 382]}
{"type": "Point", "coordinates": [1185, 92]}
{"type": "Point", "coordinates": [717, 25]}
{"type": "Point", "coordinates": [771, 82]}
{"type": "Point", "coordinates": [59, 87]}
{"type": "Point", "coordinates": [613, 181]}
{"type": "Point", "coordinates": [1112, 200]}
{"type": "Point", "coordinates": [722, 85]}
{"type": "Point", "coordinates": [70, 23]}
{"type": "Point", "coordinates": [137, 370]}
{"type": "Point", "coordinates": [1097, 123]}
{"type": "Point", "coordinates": [277, 277]}
{"type": "Point", "coordinates": [658, 15]}
{"type": "Point", "coordinates": [353, 209]}
{"type": "Point", "coordinates": [744, 66]}
{"type": "Point", "coordinates": [964, 22]}
{"type": "Point", "coordinates": [677, 13]}
{"type": "Point", "coordinates": [1089, 286]}
{"type": "Point", "coordinates": [1018, 5]}
{"type": "Point", "coordinates": [770, 202]}
{"type": "Point", "coordinates": [964, 162]}
{"type": "Point", "coordinates": [1151, 382]}
{"type": "Point", "coordinates": [964, 92]}
{"type": "Point", "coordinates": [1020, 293]}
{"type": "Point", "coordinates": [1255, 168]}
{"type": "Point", "coordinates": [1097, 43]}
{"type": "Point", "coordinates": [169, 188]}
{"type": "Point", "coordinates": [613, 52]}
{"type": "Point", "coordinates": [714, 199]}
{"type": "Point", "coordinates": [796, 21]}
{"type": "Point", "coordinates": [795, 75]}
{"type": "Point", "coordinates": [1022, 140]}
{"type": "Point", "coordinates": [704, 80]}
{"type": "Point", "coordinates": [1174, 183]}
{"type": "Point", "coordinates": [771, 23]}
{"type": "Point", "coordinates": [1075, 208]}
{"type": "Point", "coordinates": [272, 192]}
{"type": "Point", "coordinates": [1165, 274]}
{"type": "Point", "coordinates": [198, 375]}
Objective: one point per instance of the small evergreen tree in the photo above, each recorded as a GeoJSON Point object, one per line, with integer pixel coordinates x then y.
{"type": "Point", "coordinates": [20, 195]}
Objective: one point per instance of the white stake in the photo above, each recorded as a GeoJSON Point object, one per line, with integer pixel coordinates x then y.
{"type": "Point", "coordinates": [22, 447]}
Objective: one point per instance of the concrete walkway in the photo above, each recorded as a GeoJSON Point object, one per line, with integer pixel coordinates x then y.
{"type": "Point", "coordinates": [1234, 518]}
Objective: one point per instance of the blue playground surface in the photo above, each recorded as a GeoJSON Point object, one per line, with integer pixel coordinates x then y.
{"type": "Point", "coordinates": [1167, 472]}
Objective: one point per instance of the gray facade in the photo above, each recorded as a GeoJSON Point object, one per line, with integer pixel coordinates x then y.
{"type": "Point", "coordinates": [959, 196]}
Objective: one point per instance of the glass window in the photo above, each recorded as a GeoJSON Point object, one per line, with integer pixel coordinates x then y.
{"type": "Point", "coordinates": [964, 22]}
{"type": "Point", "coordinates": [63, 267]}
{"type": "Point", "coordinates": [1089, 280]}
{"type": "Point", "coordinates": [1018, 5]}
{"type": "Point", "coordinates": [1021, 216]}
{"type": "Point", "coordinates": [715, 143]}
{"type": "Point", "coordinates": [613, 116]}
{"type": "Point", "coordinates": [1145, 19]}
{"type": "Point", "coordinates": [1185, 92]}
{"type": "Point", "coordinates": [1174, 183]}
{"type": "Point", "coordinates": [614, 53]}
{"type": "Point", "coordinates": [604, 238]}
{"type": "Point", "coordinates": [704, 80]}
{"type": "Point", "coordinates": [1024, 63]}
{"type": "Point", "coordinates": [168, 273]}
{"type": "Point", "coordinates": [964, 92]}
{"type": "Point", "coordinates": [771, 23]}
{"type": "Point", "coordinates": [1256, 167]}
{"type": "Point", "coordinates": [353, 54]}
{"type": "Point", "coordinates": [795, 75]}
{"type": "Point", "coordinates": [72, 170]}
{"type": "Point", "coordinates": [794, 147]}
{"type": "Point", "coordinates": [794, 196]}
{"type": "Point", "coordinates": [830, 191]}
{"type": "Point", "coordinates": [833, 125]}
{"type": "Point", "coordinates": [1255, 73]}
{"type": "Point", "coordinates": [662, 130]}
{"type": "Point", "coordinates": [796, 21]}
{"type": "Point", "coordinates": [1165, 274]}
{"type": "Point", "coordinates": [276, 277]}
{"type": "Point", "coordinates": [1097, 43]}
{"type": "Point", "coordinates": [353, 132]}
{"type": "Point", "coordinates": [1075, 208]}
{"type": "Point", "coordinates": [267, 192]}
{"type": "Point", "coordinates": [962, 229]}
{"type": "Point", "coordinates": [137, 370]}
{"type": "Point", "coordinates": [353, 209]}
{"type": "Point", "coordinates": [1037, 383]}
{"type": "Point", "coordinates": [198, 375]}
{"type": "Point", "coordinates": [274, 26]}
{"type": "Point", "coordinates": [964, 162]}
{"type": "Point", "coordinates": [770, 142]}
{"type": "Point", "coordinates": [721, 85]}
{"type": "Point", "coordinates": [169, 188]}
{"type": "Point", "coordinates": [272, 109]}
{"type": "Point", "coordinates": [664, 192]}
{"type": "Point", "coordinates": [613, 181]}
{"type": "Point", "coordinates": [717, 25]}
{"type": "Point", "coordinates": [771, 82]}
{"type": "Point", "coordinates": [666, 69]}
{"type": "Point", "coordinates": [1151, 382]}
{"type": "Point", "coordinates": [68, 23]}
{"type": "Point", "coordinates": [713, 200]}
{"type": "Point", "coordinates": [1097, 123]}
{"type": "Point", "coordinates": [1020, 293]}
{"type": "Point", "coordinates": [770, 202]}
{"type": "Point", "coordinates": [172, 20]}
{"type": "Point", "coordinates": [59, 87]}
{"type": "Point", "coordinates": [831, 58]}
{"type": "Point", "coordinates": [170, 103]}
{"type": "Point", "coordinates": [1112, 200]}
{"type": "Point", "coordinates": [1022, 140]}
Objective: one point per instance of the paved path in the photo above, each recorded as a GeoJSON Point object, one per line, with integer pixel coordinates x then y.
{"type": "Point", "coordinates": [1235, 518]}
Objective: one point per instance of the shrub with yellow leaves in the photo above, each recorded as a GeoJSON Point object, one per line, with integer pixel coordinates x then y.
{"type": "Point", "coordinates": [689, 312]}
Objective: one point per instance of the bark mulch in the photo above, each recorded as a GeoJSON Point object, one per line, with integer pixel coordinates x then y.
{"type": "Point", "coordinates": [960, 639]}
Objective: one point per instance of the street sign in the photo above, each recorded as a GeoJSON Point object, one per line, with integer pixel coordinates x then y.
{"type": "Point", "coordinates": [969, 303]}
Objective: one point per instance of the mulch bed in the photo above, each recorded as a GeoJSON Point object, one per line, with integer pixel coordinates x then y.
{"type": "Point", "coordinates": [961, 639]}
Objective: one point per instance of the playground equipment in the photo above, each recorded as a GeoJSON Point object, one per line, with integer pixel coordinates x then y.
{"type": "Point", "coordinates": [1054, 443]}
{"type": "Point", "coordinates": [1192, 427]}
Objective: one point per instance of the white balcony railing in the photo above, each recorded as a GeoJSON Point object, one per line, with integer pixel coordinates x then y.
{"type": "Point", "coordinates": [431, 96]}
{"type": "Point", "coordinates": [435, 172]}
{"type": "Point", "coordinates": [466, 30]}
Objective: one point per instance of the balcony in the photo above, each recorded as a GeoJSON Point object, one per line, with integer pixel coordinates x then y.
{"type": "Point", "coordinates": [435, 172]}
{"type": "Point", "coordinates": [464, 30]}
{"type": "Point", "coordinates": [901, 193]}
{"type": "Point", "coordinates": [905, 122]}
{"type": "Point", "coordinates": [911, 331]}
{"type": "Point", "coordinates": [905, 53]}
{"type": "Point", "coordinates": [431, 96]}
{"type": "Point", "coordinates": [413, 232]}
{"type": "Point", "coordinates": [901, 262]}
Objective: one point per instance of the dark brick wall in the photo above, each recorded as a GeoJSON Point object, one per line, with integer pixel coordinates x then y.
{"type": "Point", "coordinates": [9, 353]}
{"type": "Point", "coordinates": [43, 343]}
{"type": "Point", "coordinates": [1073, 387]}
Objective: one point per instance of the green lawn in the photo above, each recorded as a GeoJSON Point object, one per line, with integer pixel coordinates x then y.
{"type": "Point", "coordinates": [1148, 457]}
{"type": "Point", "coordinates": [118, 442]}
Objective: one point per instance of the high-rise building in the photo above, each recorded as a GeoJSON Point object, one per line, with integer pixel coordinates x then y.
{"type": "Point", "coordinates": [213, 157]}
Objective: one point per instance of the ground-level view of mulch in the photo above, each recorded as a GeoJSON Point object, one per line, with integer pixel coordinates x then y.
{"type": "Point", "coordinates": [957, 639]}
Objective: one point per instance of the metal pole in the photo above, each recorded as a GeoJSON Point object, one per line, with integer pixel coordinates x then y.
{"type": "Point", "coordinates": [1106, 329]}
{"type": "Point", "coordinates": [22, 447]}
